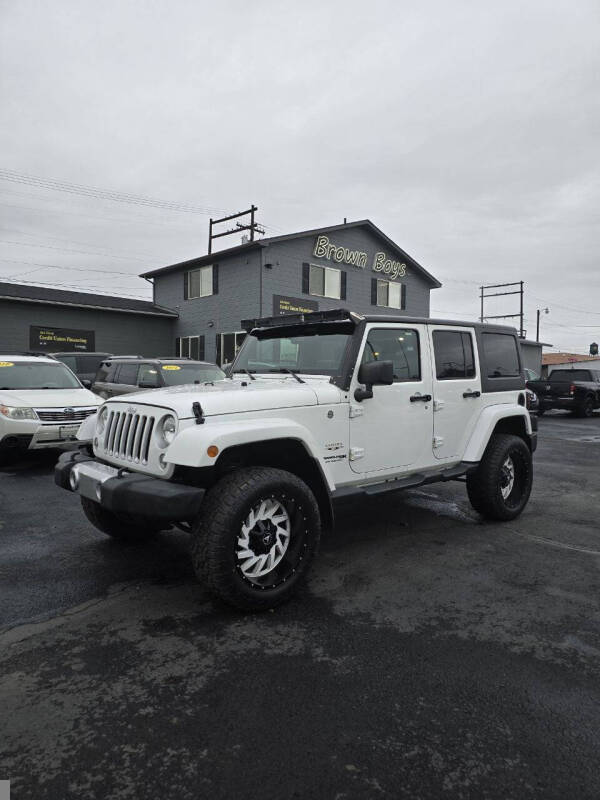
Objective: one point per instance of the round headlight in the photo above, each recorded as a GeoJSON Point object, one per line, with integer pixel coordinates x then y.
{"type": "Point", "coordinates": [168, 429]}
{"type": "Point", "coordinates": [101, 421]}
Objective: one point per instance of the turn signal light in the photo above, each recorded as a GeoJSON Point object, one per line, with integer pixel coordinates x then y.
{"type": "Point", "coordinates": [212, 451]}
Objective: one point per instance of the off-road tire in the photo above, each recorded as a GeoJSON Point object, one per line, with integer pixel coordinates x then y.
{"type": "Point", "coordinates": [125, 528]}
{"type": "Point", "coordinates": [586, 409]}
{"type": "Point", "coordinates": [484, 485]}
{"type": "Point", "coordinates": [217, 527]}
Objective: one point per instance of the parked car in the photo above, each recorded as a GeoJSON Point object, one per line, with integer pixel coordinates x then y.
{"type": "Point", "coordinates": [319, 408]}
{"type": "Point", "coordinates": [42, 403]}
{"type": "Point", "coordinates": [124, 374]}
{"type": "Point", "coordinates": [84, 365]}
{"type": "Point", "coordinates": [576, 390]}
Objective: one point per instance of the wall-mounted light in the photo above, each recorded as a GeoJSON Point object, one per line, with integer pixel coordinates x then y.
{"type": "Point", "coordinates": [269, 266]}
{"type": "Point", "coordinates": [210, 323]}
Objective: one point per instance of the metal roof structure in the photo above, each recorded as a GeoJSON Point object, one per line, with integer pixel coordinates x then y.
{"type": "Point", "coordinates": [101, 302]}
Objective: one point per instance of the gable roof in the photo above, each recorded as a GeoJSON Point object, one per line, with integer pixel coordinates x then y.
{"type": "Point", "coordinates": [258, 243]}
{"type": "Point", "coordinates": [58, 297]}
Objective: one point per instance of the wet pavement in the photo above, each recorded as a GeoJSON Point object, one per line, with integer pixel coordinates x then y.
{"type": "Point", "coordinates": [431, 654]}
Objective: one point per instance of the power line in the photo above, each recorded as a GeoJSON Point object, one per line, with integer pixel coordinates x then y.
{"type": "Point", "coordinates": [74, 269]}
{"type": "Point", "coordinates": [70, 286]}
{"type": "Point", "coordinates": [71, 250]}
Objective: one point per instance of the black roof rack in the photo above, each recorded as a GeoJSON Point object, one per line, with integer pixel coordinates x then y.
{"type": "Point", "coordinates": [309, 318]}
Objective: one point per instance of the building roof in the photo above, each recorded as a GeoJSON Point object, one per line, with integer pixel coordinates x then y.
{"type": "Point", "coordinates": [550, 359]}
{"type": "Point", "coordinates": [258, 243]}
{"type": "Point", "coordinates": [102, 302]}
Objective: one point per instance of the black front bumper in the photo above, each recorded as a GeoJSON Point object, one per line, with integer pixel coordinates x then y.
{"type": "Point", "coordinates": [133, 493]}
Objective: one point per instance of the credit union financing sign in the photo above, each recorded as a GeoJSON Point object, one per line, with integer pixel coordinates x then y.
{"type": "Point", "coordinates": [292, 305]}
{"type": "Point", "coordinates": [342, 255]}
{"type": "Point", "coordinates": [60, 339]}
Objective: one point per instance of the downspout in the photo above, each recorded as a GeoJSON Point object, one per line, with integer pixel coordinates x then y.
{"type": "Point", "coordinates": [260, 282]}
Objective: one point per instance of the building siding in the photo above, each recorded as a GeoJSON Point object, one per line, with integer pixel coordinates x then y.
{"type": "Point", "coordinates": [115, 332]}
{"type": "Point", "coordinates": [247, 286]}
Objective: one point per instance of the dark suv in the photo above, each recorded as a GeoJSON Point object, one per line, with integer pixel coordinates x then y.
{"type": "Point", "coordinates": [84, 365]}
{"type": "Point", "coordinates": [118, 376]}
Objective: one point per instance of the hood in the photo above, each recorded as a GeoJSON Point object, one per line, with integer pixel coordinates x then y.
{"type": "Point", "coordinates": [48, 398]}
{"type": "Point", "coordinates": [238, 395]}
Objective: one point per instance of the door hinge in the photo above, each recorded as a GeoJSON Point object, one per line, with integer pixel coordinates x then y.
{"type": "Point", "coordinates": [438, 441]}
{"type": "Point", "coordinates": [356, 453]}
{"type": "Point", "coordinates": [356, 411]}
{"type": "Point", "coordinates": [438, 405]}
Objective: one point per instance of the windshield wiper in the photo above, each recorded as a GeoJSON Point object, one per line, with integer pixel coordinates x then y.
{"type": "Point", "coordinates": [247, 371]}
{"type": "Point", "coordinates": [289, 372]}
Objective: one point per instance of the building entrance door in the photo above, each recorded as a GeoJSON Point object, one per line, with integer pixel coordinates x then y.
{"type": "Point", "coordinates": [228, 345]}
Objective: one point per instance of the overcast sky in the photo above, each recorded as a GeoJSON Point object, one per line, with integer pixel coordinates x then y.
{"type": "Point", "coordinates": [468, 131]}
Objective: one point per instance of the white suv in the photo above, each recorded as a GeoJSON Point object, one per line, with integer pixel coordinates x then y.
{"type": "Point", "coordinates": [319, 408]}
{"type": "Point", "coordinates": [42, 403]}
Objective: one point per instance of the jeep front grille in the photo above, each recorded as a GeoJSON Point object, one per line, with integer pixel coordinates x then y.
{"type": "Point", "coordinates": [127, 436]}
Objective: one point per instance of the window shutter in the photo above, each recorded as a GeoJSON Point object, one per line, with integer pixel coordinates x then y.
{"type": "Point", "coordinates": [305, 278]}
{"type": "Point", "coordinates": [185, 285]}
{"type": "Point", "coordinates": [373, 291]}
{"type": "Point", "coordinates": [403, 297]}
{"type": "Point", "coordinates": [215, 279]}
{"type": "Point", "coordinates": [201, 348]}
{"type": "Point", "coordinates": [178, 346]}
{"type": "Point", "coordinates": [218, 349]}
{"type": "Point", "coordinates": [343, 285]}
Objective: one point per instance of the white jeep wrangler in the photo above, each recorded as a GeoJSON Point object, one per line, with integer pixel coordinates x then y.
{"type": "Point", "coordinates": [317, 408]}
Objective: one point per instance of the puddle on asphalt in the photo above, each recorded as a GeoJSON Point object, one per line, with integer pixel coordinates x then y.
{"type": "Point", "coordinates": [443, 508]}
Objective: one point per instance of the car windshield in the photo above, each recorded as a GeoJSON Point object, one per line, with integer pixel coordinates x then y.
{"type": "Point", "coordinates": [569, 375]}
{"type": "Point", "coordinates": [176, 374]}
{"type": "Point", "coordinates": [36, 375]}
{"type": "Point", "coordinates": [311, 353]}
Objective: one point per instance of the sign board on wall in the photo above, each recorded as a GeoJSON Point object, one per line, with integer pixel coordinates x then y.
{"type": "Point", "coordinates": [343, 255]}
{"type": "Point", "coordinates": [57, 339]}
{"type": "Point", "coordinates": [292, 305]}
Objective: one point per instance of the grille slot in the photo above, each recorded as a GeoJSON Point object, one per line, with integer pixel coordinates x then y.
{"type": "Point", "coordinates": [59, 415]}
{"type": "Point", "coordinates": [127, 436]}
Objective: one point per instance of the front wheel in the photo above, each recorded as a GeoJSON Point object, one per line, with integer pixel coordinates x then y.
{"type": "Point", "coordinates": [255, 537]}
{"type": "Point", "coordinates": [500, 486]}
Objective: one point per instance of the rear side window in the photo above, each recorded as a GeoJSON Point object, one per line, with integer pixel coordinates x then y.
{"type": "Point", "coordinates": [127, 374]}
{"type": "Point", "coordinates": [501, 355]}
{"type": "Point", "coordinates": [454, 357]}
{"type": "Point", "coordinates": [398, 345]}
{"type": "Point", "coordinates": [70, 361]}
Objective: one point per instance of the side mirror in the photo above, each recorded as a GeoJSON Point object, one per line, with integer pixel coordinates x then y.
{"type": "Point", "coordinates": [86, 384]}
{"type": "Point", "coordinates": [376, 373]}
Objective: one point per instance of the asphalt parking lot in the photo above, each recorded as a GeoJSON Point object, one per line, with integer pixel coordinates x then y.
{"type": "Point", "coordinates": [431, 655]}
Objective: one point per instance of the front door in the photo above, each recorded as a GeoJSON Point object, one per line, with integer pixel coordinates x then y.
{"type": "Point", "coordinates": [392, 431]}
{"type": "Point", "coordinates": [456, 390]}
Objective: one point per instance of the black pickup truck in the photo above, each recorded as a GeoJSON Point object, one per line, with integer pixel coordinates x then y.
{"type": "Point", "coordinates": [576, 390]}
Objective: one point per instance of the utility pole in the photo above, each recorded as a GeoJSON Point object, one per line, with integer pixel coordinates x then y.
{"type": "Point", "coordinates": [253, 227]}
{"type": "Point", "coordinates": [519, 291]}
{"type": "Point", "coordinates": [537, 325]}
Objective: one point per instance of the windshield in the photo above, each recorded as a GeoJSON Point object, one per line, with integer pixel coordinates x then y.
{"type": "Point", "coordinates": [569, 375]}
{"type": "Point", "coordinates": [176, 374]}
{"type": "Point", "coordinates": [36, 375]}
{"type": "Point", "coordinates": [313, 354]}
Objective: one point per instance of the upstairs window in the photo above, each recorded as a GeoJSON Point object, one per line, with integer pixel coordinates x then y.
{"type": "Point", "coordinates": [390, 294]}
{"type": "Point", "coordinates": [453, 355]}
{"type": "Point", "coordinates": [199, 282]}
{"type": "Point", "coordinates": [325, 282]}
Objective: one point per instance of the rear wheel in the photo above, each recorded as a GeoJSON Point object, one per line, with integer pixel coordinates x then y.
{"type": "Point", "coordinates": [126, 528]}
{"type": "Point", "coordinates": [255, 537]}
{"type": "Point", "coordinates": [586, 409]}
{"type": "Point", "coordinates": [500, 486]}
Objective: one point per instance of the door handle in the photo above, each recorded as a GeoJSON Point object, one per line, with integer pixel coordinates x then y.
{"type": "Point", "coordinates": [424, 398]}
{"type": "Point", "coordinates": [471, 394]}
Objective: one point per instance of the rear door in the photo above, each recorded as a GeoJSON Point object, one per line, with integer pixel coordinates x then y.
{"type": "Point", "coordinates": [456, 389]}
{"type": "Point", "coordinates": [126, 379]}
{"type": "Point", "coordinates": [391, 432]}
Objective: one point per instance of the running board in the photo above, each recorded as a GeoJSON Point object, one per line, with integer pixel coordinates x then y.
{"type": "Point", "coordinates": [410, 482]}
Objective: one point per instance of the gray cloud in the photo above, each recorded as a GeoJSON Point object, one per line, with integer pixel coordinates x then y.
{"type": "Point", "coordinates": [467, 131]}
